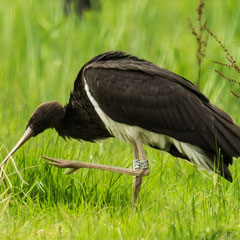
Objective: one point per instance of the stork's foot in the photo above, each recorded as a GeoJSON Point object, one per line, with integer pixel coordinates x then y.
{"type": "Point", "coordinates": [75, 165]}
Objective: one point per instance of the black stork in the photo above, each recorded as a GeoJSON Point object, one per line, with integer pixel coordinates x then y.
{"type": "Point", "coordinates": [119, 95]}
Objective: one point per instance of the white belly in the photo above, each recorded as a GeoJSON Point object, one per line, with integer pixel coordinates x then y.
{"type": "Point", "coordinates": [130, 134]}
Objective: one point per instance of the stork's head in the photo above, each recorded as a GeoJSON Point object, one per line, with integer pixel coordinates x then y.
{"type": "Point", "coordinates": [47, 115]}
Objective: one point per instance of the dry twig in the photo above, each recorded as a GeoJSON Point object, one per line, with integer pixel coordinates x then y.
{"type": "Point", "coordinates": [229, 57]}
{"type": "Point", "coordinates": [201, 38]}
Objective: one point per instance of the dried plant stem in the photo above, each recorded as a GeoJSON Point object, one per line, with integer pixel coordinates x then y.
{"type": "Point", "coordinates": [237, 96]}
{"type": "Point", "coordinates": [223, 64]}
{"type": "Point", "coordinates": [227, 78]}
{"type": "Point", "coordinates": [229, 57]}
{"type": "Point", "coordinates": [200, 37]}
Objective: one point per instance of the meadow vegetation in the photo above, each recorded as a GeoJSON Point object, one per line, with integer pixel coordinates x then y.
{"type": "Point", "coordinates": [41, 53]}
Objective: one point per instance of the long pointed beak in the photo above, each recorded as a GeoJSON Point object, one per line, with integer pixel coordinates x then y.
{"type": "Point", "coordinates": [28, 134]}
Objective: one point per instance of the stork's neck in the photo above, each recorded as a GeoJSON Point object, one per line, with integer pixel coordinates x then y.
{"type": "Point", "coordinates": [82, 122]}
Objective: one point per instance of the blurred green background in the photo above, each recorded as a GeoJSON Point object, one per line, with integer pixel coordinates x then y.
{"type": "Point", "coordinates": [41, 51]}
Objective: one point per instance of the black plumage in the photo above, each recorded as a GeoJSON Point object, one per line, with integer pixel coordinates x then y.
{"type": "Point", "coordinates": [137, 93]}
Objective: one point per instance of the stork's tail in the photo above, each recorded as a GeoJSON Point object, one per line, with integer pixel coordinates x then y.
{"type": "Point", "coordinates": [227, 139]}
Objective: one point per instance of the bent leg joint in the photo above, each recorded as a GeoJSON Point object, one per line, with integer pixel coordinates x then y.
{"type": "Point", "coordinates": [141, 167]}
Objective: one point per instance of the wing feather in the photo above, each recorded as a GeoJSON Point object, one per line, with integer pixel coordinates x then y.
{"type": "Point", "coordinates": [138, 93]}
{"type": "Point", "coordinates": [149, 101]}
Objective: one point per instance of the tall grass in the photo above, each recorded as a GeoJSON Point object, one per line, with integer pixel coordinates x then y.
{"type": "Point", "coordinates": [41, 53]}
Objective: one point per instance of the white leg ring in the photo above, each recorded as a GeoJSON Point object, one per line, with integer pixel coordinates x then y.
{"type": "Point", "coordinates": [140, 164]}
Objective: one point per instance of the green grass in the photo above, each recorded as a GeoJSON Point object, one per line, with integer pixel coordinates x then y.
{"type": "Point", "coordinates": [40, 55]}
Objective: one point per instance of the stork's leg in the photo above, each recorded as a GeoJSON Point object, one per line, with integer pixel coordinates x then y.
{"type": "Point", "coordinates": [142, 164]}
{"type": "Point", "coordinates": [75, 165]}
{"type": "Point", "coordinates": [140, 167]}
